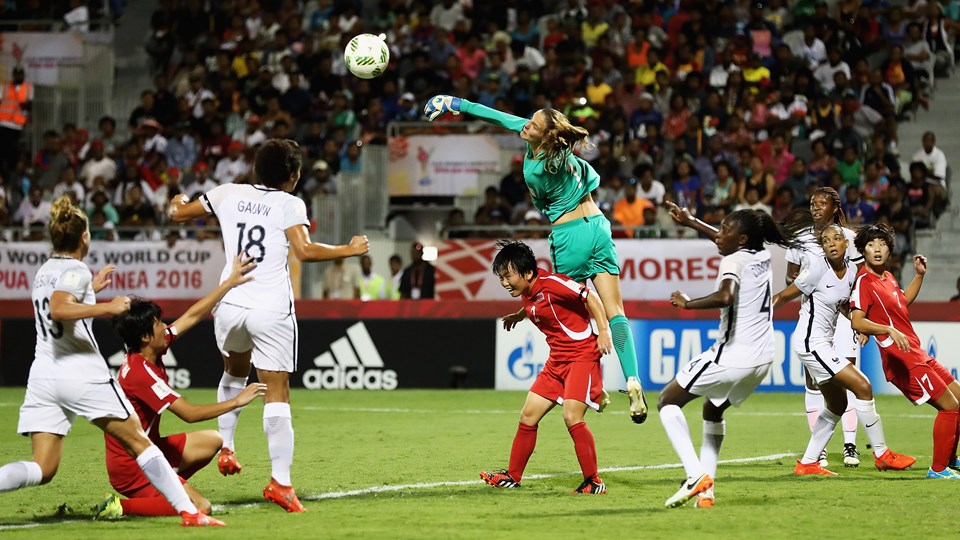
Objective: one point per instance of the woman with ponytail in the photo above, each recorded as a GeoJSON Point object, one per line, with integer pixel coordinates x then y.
{"type": "Point", "coordinates": [581, 245]}
{"type": "Point", "coordinates": [825, 209]}
{"type": "Point", "coordinates": [69, 377]}
{"type": "Point", "coordinates": [731, 369]}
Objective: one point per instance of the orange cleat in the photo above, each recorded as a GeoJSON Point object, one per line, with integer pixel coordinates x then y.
{"type": "Point", "coordinates": [892, 461]}
{"type": "Point", "coordinates": [283, 495]}
{"type": "Point", "coordinates": [199, 520]}
{"type": "Point", "coordinates": [227, 462]}
{"type": "Point", "coordinates": [803, 469]}
{"type": "Point", "coordinates": [705, 499]}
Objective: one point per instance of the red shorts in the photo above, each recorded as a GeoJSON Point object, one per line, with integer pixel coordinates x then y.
{"type": "Point", "coordinates": [579, 381]}
{"type": "Point", "coordinates": [128, 479]}
{"type": "Point", "coordinates": [923, 382]}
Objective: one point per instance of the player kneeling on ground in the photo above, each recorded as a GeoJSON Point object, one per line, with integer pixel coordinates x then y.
{"type": "Point", "coordinates": [143, 379]}
{"type": "Point", "coordinates": [561, 308]}
{"type": "Point", "coordinates": [877, 297]}
{"type": "Point", "coordinates": [825, 285]}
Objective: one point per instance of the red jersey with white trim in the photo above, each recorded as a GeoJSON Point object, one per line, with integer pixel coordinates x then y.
{"type": "Point", "coordinates": [883, 302]}
{"type": "Point", "coordinates": [146, 386]}
{"type": "Point", "coordinates": [557, 305]}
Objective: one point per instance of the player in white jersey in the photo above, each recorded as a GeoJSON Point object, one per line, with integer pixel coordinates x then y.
{"type": "Point", "coordinates": [732, 368]}
{"type": "Point", "coordinates": [825, 209]}
{"type": "Point", "coordinates": [825, 285]}
{"type": "Point", "coordinates": [255, 323]}
{"type": "Point", "coordinates": [69, 377]}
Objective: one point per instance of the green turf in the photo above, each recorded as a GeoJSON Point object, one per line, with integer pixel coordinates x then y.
{"type": "Point", "coordinates": [356, 440]}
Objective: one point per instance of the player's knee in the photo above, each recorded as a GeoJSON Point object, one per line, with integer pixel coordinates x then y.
{"type": "Point", "coordinates": [572, 418]}
{"type": "Point", "coordinates": [862, 390]}
{"type": "Point", "coordinates": [48, 471]}
{"type": "Point", "coordinates": [529, 418]}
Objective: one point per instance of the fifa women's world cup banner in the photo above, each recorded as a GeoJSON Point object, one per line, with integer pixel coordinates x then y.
{"type": "Point", "coordinates": [649, 269]}
{"type": "Point", "coordinates": [154, 270]}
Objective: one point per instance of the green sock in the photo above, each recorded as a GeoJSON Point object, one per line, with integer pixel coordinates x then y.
{"type": "Point", "coordinates": [623, 342]}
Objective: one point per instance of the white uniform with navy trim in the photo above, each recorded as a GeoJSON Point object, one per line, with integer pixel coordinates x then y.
{"type": "Point", "coordinates": [810, 251]}
{"type": "Point", "coordinates": [69, 377]}
{"type": "Point", "coordinates": [259, 314]}
{"type": "Point", "coordinates": [733, 367]}
{"type": "Point", "coordinates": [823, 294]}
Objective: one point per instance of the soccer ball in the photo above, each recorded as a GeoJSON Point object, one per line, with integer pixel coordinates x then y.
{"type": "Point", "coordinates": [366, 56]}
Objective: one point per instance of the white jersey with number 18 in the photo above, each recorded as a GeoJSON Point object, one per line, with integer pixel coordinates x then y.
{"type": "Point", "coordinates": [254, 220]}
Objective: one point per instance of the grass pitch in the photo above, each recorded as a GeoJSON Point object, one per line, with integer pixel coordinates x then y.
{"type": "Point", "coordinates": [404, 464]}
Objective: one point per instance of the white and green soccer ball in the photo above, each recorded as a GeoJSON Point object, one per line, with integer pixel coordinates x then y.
{"type": "Point", "coordinates": [367, 56]}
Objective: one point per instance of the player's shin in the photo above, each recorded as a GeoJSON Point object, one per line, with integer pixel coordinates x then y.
{"type": "Point", "coordinates": [147, 506]}
{"type": "Point", "coordinates": [622, 335]}
{"type": "Point", "coordinates": [19, 474]}
{"type": "Point", "coordinates": [230, 387]}
{"type": "Point", "coordinates": [278, 427]}
{"type": "Point", "coordinates": [849, 420]}
{"type": "Point", "coordinates": [823, 430]}
{"type": "Point", "coordinates": [813, 400]}
{"type": "Point", "coordinates": [675, 424]}
{"type": "Point", "coordinates": [867, 414]}
{"type": "Point", "coordinates": [713, 433]}
{"type": "Point", "coordinates": [944, 438]}
{"type": "Point", "coordinates": [523, 444]}
{"type": "Point", "coordinates": [585, 447]}
{"type": "Point", "coordinates": [161, 476]}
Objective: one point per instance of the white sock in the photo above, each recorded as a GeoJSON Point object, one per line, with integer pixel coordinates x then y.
{"type": "Point", "coordinates": [867, 413]}
{"type": "Point", "coordinates": [849, 420]}
{"type": "Point", "coordinates": [19, 474]}
{"type": "Point", "coordinates": [162, 477]}
{"type": "Point", "coordinates": [230, 387]}
{"type": "Point", "coordinates": [822, 432]}
{"type": "Point", "coordinates": [675, 425]}
{"type": "Point", "coordinates": [279, 430]}
{"type": "Point", "coordinates": [713, 433]}
{"type": "Point", "coordinates": [813, 400]}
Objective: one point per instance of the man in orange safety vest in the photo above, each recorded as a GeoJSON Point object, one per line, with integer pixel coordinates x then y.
{"type": "Point", "coordinates": [15, 103]}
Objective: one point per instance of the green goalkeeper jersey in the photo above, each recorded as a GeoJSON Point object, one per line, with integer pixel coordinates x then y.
{"type": "Point", "coordinates": [554, 194]}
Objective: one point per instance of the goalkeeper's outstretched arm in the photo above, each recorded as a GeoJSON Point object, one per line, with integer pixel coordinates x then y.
{"type": "Point", "coordinates": [439, 105]}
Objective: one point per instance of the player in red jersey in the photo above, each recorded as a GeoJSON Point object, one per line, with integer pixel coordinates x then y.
{"type": "Point", "coordinates": [143, 379]}
{"type": "Point", "coordinates": [879, 308]}
{"type": "Point", "coordinates": [561, 308]}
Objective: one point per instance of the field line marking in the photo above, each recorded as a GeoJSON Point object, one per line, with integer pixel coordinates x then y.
{"type": "Point", "coordinates": [402, 410]}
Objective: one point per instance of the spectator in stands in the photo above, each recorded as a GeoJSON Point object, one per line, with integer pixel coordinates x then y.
{"type": "Point", "coordinates": [137, 211]}
{"type": "Point", "coordinates": [752, 201]}
{"type": "Point", "coordinates": [918, 52]}
{"type": "Point", "coordinates": [233, 169]}
{"type": "Point", "coordinates": [102, 228]}
{"type": "Point", "coordinates": [202, 182]}
{"type": "Point", "coordinates": [874, 184]}
{"type": "Point", "coordinates": [757, 177]}
{"type": "Point", "coordinates": [956, 297]}
{"type": "Point", "coordinates": [68, 185]}
{"type": "Point", "coordinates": [351, 162]}
{"type": "Point", "coordinates": [252, 135]}
{"type": "Point", "coordinates": [493, 211]}
{"type": "Point", "coordinates": [850, 167]}
{"type": "Point", "coordinates": [98, 164]}
{"type": "Point", "coordinates": [647, 186]}
{"type": "Point", "coordinates": [396, 273]}
{"type": "Point", "coordinates": [628, 211]}
{"type": "Point", "coordinates": [857, 211]}
{"type": "Point", "coordinates": [372, 285]}
{"type": "Point", "coordinates": [844, 137]}
{"type": "Point", "coordinates": [169, 188]}
{"type": "Point", "coordinates": [181, 150]}
{"type": "Point", "coordinates": [723, 189]}
{"type": "Point", "coordinates": [512, 185]}
{"type": "Point", "coordinates": [51, 160]}
{"type": "Point", "coordinates": [936, 166]}
{"type": "Point", "coordinates": [341, 281]}
{"type": "Point", "coordinates": [775, 156]}
{"type": "Point", "coordinates": [153, 140]}
{"type": "Point", "coordinates": [100, 202]}
{"type": "Point", "coordinates": [825, 73]}
{"type": "Point", "coordinates": [799, 182]}
{"type": "Point", "coordinates": [418, 281]}
{"type": "Point", "coordinates": [146, 109]}
{"type": "Point", "coordinates": [33, 213]}
{"type": "Point", "coordinates": [108, 136]}
{"type": "Point", "coordinates": [782, 205]}
{"type": "Point", "coordinates": [918, 196]}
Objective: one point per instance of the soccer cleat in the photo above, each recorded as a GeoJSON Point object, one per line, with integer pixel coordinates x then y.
{"type": "Point", "coordinates": [638, 404]}
{"type": "Point", "coordinates": [688, 489]}
{"type": "Point", "coordinates": [805, 469]}
{"type": "Point", "coordinates": [199, 520]}
{"type": "Point", "coordinates": [823, 458]}
{"type": "Point", "coordinates": [227, 462]}
{"type": "Point", "coordinates": [604, 401]}
{"type": "Point", "coordinates": [283, 495]}
{"type": "Point", "coordinates": [705, 499]}
{"type": "Point", "coordinates": [851, 458]}
{"type": "Point", "coordinates": [499, 479]}
{"type": "Point", "coordinates": [946, 474]}
{"type": "Point", "coordinates": [892, 461]}
{"type": "Point", "coordinates": [110, 508]}
{"type": "Point", "coordinates": [592, 486]}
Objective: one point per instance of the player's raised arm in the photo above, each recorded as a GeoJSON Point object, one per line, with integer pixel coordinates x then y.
{"type": "Point", "coordinates": [191, 413]}
{"type": "Point", "coordinates": [64, 307]}
{"type": "Point", "coordinates": [197, 311]}
{"type": "Point", "coordinates": [913, 290]}
{"type": "Point", "coordinates": [307, 250]}
{"type": "Point", "coordinates": [437, 106]}
{"type": "Point", "coordinates": [725, 296]}
{"type": "Point", "coordinates": [683, 217]}
{"type": "Point", "coordinates": [182, 209]}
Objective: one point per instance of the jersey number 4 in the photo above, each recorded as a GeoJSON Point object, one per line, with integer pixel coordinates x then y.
{"type": "Point", "coordinates": [765, 307]}
{"type": "Point", "coordinates": [255, 236]}
{"type": "Point", "coordinates": [45, 322]}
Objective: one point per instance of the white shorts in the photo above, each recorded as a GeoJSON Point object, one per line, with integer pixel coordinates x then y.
{"type": "Point", "coordinates": [822, 362]}
{"type": "Point", "coordinates": [51, 405]}
{"type": "Point", "coordinates": [703, 376]}
{"type": "Point", "coordinates": [845, 339]}
{"type": "Point", "coordinates": [271, 335]}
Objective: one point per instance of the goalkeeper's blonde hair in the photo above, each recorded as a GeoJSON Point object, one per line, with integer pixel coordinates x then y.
{"type": "Point", "coordinates": [560, 139]}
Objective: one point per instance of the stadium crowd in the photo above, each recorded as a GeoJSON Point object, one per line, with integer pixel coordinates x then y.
{"type": "Point", "coordinates": [713, 105]}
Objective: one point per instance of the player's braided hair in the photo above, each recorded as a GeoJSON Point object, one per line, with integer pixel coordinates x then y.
{"type": "Point", "coordinates": [869, 233]}
{"type": "Point", "coordinates": [514, 254]}
{"type": "Point", "coordinates": [760, 228]}
{"type": "Point", "coordinates": [560, 137]}
{"type": "Point", "coordinates": [831, 194]}
{"type": "Point", "coordinates": [276, 161]}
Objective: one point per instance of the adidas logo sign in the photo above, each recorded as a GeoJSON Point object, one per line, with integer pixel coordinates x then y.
{"type": "Point", "coordinates": [353, 363]}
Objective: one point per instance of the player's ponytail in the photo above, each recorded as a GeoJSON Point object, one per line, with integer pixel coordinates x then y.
{"type": "Point", "coordinates": [67, 225]}
{"type": "Point", "coordinates": [838, 216]}
{"type": "Point", "coordinates": [560, 138]}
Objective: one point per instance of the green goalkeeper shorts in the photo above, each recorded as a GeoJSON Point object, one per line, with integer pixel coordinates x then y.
{"type": "Point", "coordinates": [582, 248]}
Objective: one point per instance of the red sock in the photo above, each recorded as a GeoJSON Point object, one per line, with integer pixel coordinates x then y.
{"type": "Point", "coordinates": [523, 444]}
{"type": "Point", "coordinates": [148, 506]}
{"type": "Point", "coordinates": [585, 447]}
{"type": "Point", "coordinates": [944, 438]}
{"type": "Point", "coordinates": [953, 455]}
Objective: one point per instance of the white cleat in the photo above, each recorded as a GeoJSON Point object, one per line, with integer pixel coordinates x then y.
{"type": "Point", "coordinates": [638, 404]}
